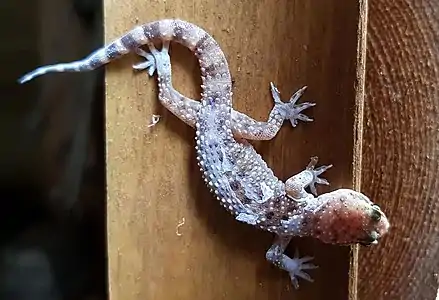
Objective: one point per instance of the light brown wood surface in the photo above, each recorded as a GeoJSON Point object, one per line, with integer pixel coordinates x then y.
{"type": "Point", "coordinates": [152, 176]}
{"type": "Point", "coordinates": [401, 150]}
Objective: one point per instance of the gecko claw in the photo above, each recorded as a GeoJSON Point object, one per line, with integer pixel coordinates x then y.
{"type": "Point", "coordinates": [292, 111]}
{"type": "Point", "coordinates": [155, 60]}
{"type": "Point", "coordinates": [148, 65]}
{"type": "Point", "coordinates": [316, 172]}
{"type": "Point", "coordinates": [296, 266]}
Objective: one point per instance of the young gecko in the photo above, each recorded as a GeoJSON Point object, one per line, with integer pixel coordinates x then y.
{"type": "Point", "coordinates": [234, 172]}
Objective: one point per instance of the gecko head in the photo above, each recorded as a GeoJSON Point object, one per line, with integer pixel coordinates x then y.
{"type": "Point", "coordinates": [349, 217]}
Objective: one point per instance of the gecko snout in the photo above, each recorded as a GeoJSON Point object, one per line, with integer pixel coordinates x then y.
{"type": "Point", "coordinates": [374, 222]}
{"type": "Point", "coordinates": [378, 226]}
{"type": "Point", "coordinates": [349, 217]}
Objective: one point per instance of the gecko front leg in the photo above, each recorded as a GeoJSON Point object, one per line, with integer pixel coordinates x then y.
{"type": "Point", "coordinates": [295, 185]}
{"type": "Point", "coordinates": [243, 126]}
{"type": "Point", "coordinates": [294, 266]}
{"type": "Point", "coordinates": [295, 189]}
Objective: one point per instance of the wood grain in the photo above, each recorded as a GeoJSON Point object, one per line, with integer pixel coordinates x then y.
{"type": "Point", "coordinates": [358, 131]}
{"type": "Point", "coordinates": [153, 180]}
{"type": "Point", "coordinates": [401, 153]}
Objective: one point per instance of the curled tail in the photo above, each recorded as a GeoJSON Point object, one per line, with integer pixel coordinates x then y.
{"type": "Point", "coordinates": [214, 68]}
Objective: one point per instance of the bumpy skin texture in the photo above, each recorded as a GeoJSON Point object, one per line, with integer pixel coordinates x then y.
{"type": "Point", "coordinates": [235, 173]}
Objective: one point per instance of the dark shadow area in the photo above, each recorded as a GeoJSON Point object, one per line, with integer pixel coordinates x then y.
{"type": "Point", "coordinates": [52, 155]}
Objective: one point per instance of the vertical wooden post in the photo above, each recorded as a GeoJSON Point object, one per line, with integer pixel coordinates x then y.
{"type": "Point", "coordinates": [358, 129]}
{"type": "Point", "coordinates": [167, 236]}
{"type": "Point", "coordinates": [401, 149]}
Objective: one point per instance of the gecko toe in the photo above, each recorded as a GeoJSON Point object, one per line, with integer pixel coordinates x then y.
{"type": "Point", "coordinates": [315, 173]}
{"type": "Point", "coordinates": [290, 110]}
{"type": "Point", "coordinates": [149, 64]}
{"type": "Point", "coordinates": [296, 268]}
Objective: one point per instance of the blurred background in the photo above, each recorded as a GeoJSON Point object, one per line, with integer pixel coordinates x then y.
{"type": "Point", "coordinates": [52, 156]}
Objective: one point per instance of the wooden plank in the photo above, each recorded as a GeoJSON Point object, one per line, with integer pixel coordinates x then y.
{"type": "Point", "coordinates": [358, 131]}
{"type": "Point", "coordinates": [401, 156]}
{"type": "Point", "coordinates": [152, 176]}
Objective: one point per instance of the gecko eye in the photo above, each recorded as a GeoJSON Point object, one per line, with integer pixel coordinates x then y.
{"type": "Point", "coordinates": [376, 213]}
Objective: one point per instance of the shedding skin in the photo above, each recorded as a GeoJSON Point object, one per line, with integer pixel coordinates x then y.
{"type": "Point", "coordinates": [234, 172]}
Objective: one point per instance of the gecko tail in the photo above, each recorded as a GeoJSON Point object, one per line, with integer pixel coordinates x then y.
{"type": "Point", "coordinates": [213, 63]}
{"type": "Point", "coordinates": [76, 66]}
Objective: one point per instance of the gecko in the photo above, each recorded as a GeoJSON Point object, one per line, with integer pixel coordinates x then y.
{"type": "Point", "coordinates": [236, 175]}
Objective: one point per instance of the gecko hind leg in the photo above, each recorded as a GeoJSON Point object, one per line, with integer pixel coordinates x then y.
{"type": "Point", "coordinates": [250, 129]}
{"type": "Point", "coordinates": [295, 266]}
{"type": "Point", "coordinates": [182, 107]}
{"type": "Point", "coordinates": [290, 109]}
{"type": "Point", "coordinates": [155, 60]}
{"type": "Point", "coordinates": [186, 109]}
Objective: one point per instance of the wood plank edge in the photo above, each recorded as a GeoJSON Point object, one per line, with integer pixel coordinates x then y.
{"type": "Point", "coordinates": [358, 131]}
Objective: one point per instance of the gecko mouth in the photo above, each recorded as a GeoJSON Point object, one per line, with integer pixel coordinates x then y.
{"type": "Point", "coordinates": [368, 244]}
{"type": "Point", "coordinates": [371, 239]}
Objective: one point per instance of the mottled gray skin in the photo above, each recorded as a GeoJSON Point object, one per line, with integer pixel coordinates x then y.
{"type": "Point", "coordinates": [235, 173]}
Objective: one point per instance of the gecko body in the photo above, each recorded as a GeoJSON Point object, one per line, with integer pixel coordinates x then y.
{"type": "Point", "coordinates": [235, 173]}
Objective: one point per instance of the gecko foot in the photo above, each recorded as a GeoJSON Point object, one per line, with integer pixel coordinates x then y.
{"type": "Point", "coordinates": [292, 111]}
{"type": "Point", "coordinates": [155, 60]}
{"type": "Point", "coordinates": [295, 266]}
{"type": "Point", "coordinates": [316, 172]}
